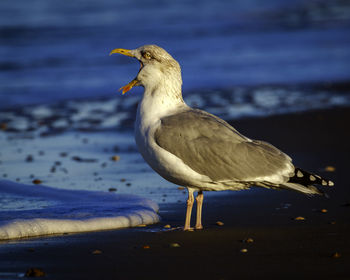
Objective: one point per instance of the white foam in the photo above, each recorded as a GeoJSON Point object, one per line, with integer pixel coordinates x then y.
{"type": "Point", "coordinates": [71, 211]}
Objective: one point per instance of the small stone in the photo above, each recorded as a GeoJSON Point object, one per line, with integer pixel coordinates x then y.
{"type": "Point", "coordinates": [167, 226]}
{"type": "Point", "coordinates": [128, 184]}
{"type": "Point", "coordinates": [96, 252]}
{"type": "Point", "coordinates": [174, 245]}
{"type": "Point", "coordinates": [300, 218]}
{"type": "Point", "coordinates": [3, 126]}
{"type": "Point", "coordinates": [112, 189]}
{"type": "Point", "coordinates": [336, 255]}
{"type": "Point", "coordinates": [63, 154]}
{"type": "Point", "coordinates": [324, 210]}
{"type": "Point", "coordinates": [115, 158]}
{"type": "Point", "coordinates": [248, 240]}
{"type": "Point", "coordinates": [244, 250]}
{"type": "Point", "coordinates": [35, 272]}
{"type": "Point", "coordinates": [29, 158]}
{"type": "Point", "coordinates": [219, 223]}
{"type": "Point", "coordinates": [36, 181]}
{"type": "Point", "coordinates": [146, 247]}
{"type": "Point", "coordinates": [329, 168]}
{"type": "Point", "coordinates": [122, 180]}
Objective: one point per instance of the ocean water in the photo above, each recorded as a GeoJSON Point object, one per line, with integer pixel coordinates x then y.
{"type": "Point", "coordinates": [62, 120]}
{"type": "Point", "coordinates": [67, 211]}
{"type": "Point", "coordinates": [58, 50]}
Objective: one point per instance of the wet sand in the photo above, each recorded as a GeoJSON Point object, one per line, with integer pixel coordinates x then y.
{"type": "Point", "coordinates": [317, 247]}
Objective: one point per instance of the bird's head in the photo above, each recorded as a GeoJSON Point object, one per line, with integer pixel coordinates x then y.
{"type": "Point", "coordinates": [157, 67]}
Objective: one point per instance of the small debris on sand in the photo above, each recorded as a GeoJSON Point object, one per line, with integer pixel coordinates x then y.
{"type": "Point", "coordinates": [324, 210]}
{"type": "Point", "coordinates": [300, 218]}
{"type": "Point", "coordinates": [115, 158]}
{"type": "Point", "coordinates": [219, 223]}
{"type": "Point", "coordinates": [329, 168]}
{"type": "Point", "coordinates": [3, 126]}
{"type": "Point", "coordinates": [174, 245]}
{"type": "Point", "coordinates": [181, 188]}
{"type": "Point", "coordinates": [35, 272]}
{"type": "Point", "coordinates": [96, 252]}
{"type": "Point", "coordinates": [146, 247]}
{"type": "Point", "coordinates": [248, 240]}
{"type": "Point", "coordinates": [29, 158]}
{"type": "Point", "coordinates": [244, 250]}
{"type": "Point", "coordinates": [63, 154]}
{"type": "Point", "coordinates": [112, 189]}
{"type": "Point", "coordinates": [36, 181]}
{"type": "Point", "coordinates": [79, 159]}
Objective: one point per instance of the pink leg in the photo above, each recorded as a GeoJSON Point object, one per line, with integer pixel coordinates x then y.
{"type": "Point", "coordinates": [190, 201]}
{"type": "Point", "coordinates": [199, 200]}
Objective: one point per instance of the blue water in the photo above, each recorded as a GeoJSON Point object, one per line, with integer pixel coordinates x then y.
{"type": "Point", "coordinates": [58, 50]}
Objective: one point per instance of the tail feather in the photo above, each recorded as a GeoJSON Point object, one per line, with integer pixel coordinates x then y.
{"type": "Point", "coordinates": [304, 182]}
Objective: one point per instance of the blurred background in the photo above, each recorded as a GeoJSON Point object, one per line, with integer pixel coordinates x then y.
{"type": "Point", "coordinates": [253, 53]}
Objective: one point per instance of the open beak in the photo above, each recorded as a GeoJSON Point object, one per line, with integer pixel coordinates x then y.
{"type": "Point", "coordinates": [134, 82]}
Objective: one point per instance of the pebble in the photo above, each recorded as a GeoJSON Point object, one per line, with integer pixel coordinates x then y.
{"type": "Point", "coordinates": [219, 223]}
{"type": "Point", "coordinates": [35, 272]}
{"type": "Point", "coordinates": [29, 158]}
{"type": "Point", "coordinates": [3, 126]}
{"type": "Point", "coordinates": [244, 250]}
{"type": "Point", "coordinates": [96, 252]}
{"type": "Point", "coordinates": [146, 247]}
{"type": "Point", "coordinates": [248, 240]}
{"type": "Point", "coordinates": [299, 218]}
{"type": "Point", "coordinates": [36, 181]}
{"type": "Point", "coordinates": [324, 210]}
{"type": "Point", "coordinates": [174, 245]}
{"type": "Point", "coordinates": [115, 158]}
{"type": "Point", "coordinates": [112, 189]}
{"type": "Point", "coordinates": [329, 168]}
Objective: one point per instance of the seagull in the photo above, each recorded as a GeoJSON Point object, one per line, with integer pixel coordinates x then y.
{"type": "Point", "coordinates": [195, 149]}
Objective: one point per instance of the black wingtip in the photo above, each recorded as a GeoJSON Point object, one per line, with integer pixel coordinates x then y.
{"type": "Point", "coordinates": [305, 178]}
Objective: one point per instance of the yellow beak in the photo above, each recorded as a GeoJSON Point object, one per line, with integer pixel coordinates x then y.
{"type": "Point", "coordinates": [122, 51]}
{"type": "Point", "coordinates": [134, 82]}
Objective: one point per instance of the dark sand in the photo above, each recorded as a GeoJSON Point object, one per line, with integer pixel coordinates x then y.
{"type": "Point", "coordinates": [283, 248]}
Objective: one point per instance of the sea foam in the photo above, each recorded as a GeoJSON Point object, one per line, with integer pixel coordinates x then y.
{"type": "Point", "coordinates": [69, 211]}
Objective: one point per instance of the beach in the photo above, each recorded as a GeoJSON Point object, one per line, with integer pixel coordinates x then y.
{"type": "Point", "coordinates": [263, 233]}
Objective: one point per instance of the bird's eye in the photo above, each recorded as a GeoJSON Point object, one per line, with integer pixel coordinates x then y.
{"type": "Point", "coordinates": [147, 55]}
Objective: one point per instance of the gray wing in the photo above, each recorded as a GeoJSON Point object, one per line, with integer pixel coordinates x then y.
{"type": "Point", "coordinates": [212, 147]}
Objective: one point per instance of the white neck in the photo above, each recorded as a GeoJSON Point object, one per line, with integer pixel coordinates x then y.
{"type": "Point", "coordinates": [158, 102]}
